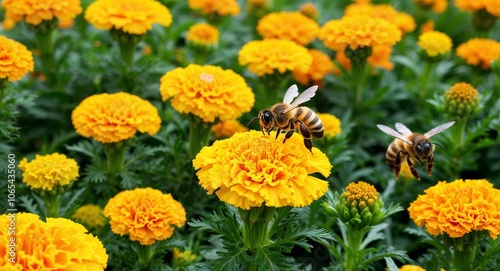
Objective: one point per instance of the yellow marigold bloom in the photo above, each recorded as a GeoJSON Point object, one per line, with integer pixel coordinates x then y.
{"type": "Point", "coordinates": [46, 171]}
{"type": "Point", "coordinates": [36, 11]}
{"type": "Point", "coordinates": [15, 59]}
{"type": "Point", "coordinates": [215, 7]}
{"type": "Point", "coordinates": [90, 215]}
{"type": "Point", "coordinates": [461, 100]}
{"type": "Point", "coordinates": [203, 34]}
{"type": "Point", "coordinates": [228, 128]}
{"type": "Point", "coordinates": [130, 16]}
{"type": "Point", "coordinates": [381, 57]}
{"type": "Point", "coordinates": [438, 6]}
{"type": "Point", "coordinates": [250, 169]}
{"type": "Point", "coordinates": [270, 55]}
{"type": "Point", "coordinates": [427, 26]}
{"type": "Point", "coordinates": [491, 6]}
{"type": "Point", "coordinates": [321, 66]}
{"type": "Point", "coordinates": [409, 267]}
{"type": "Point", "coordinates": [8, 24]}
{"type": "Point", "coordinates": [363, 193]}
{"type": "Point", "coordinates": [309, 10]}
{"type": "Point", "coordinates": [435, 43]}
{"type": "Point", "coordinates": [66, 23]}
{"type": "Point", "coordinates": [458, 208]}
{"type": "Point", "coordinates": [478, 51]}
{"type": "Point", "coordinates": [145, 214]}
{"type": "Point", "coordinates": [184, 256]}
{"type": "Point", "coordinates": [359, 31]}
{"type": "Point", "coordinates": [208, 92]}
{"type": "Point", "coordinates": [402, 20]}
{"type": "Point", "coordinates": [285, 25]}
{"type": "Point", "coordinates": [115, 117]}
{"type": "Point", "coordinates": [331, 124]}
{"type": "Point", "coordinates": [58, 244]}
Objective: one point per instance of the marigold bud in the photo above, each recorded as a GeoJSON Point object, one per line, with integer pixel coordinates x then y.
{"type": "Point", "coordinates": [461, 100]}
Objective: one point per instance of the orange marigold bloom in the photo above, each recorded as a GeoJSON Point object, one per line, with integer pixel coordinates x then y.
{"type": "Point", "coordinates": [309, 10]}
{"type": "Point", "coordinates": [90, 215]}
{"type": "Point", "coordinates": [457, 208]}
{"type": "Point", "coordinates": [343, 60]}
{"type": "Point", "coordinates": [435, 43]}
{"type": "Point", "coordinates": [491, 6]}
{"type": "Point", "coordinates": [427, 26]}
{"type": "Point", "coordinates": [270, 55]}
{"type": "Point", "coordinates": [208, 92]}
{"type": "Point", "coordinates": [15, 59]}
{"type": "Point", "coordinates": [228, 128]}
{"type": "Point", "coordinates": [285, 25]}
{"type": "Point", "coordinates": [58, 244]}
{"type": "Point", "coordinates": [203, 34]}
{"type": "Point", "coordinates": [402, 20]}
{"type": "Point", "coordinates": [36, 11]}
{"type": "Point", "coordinates": [381, 57]}
{"type": "Point", "coordinates": [130, 16]}
{"type": "Point", "coordinates": [409, 267]}
{"type": "Point", "coordinates": [8, 24]}
{"type": "Point", "coordinates": [331, 124]}
{"type": "Point", "coordinates": [115, 117]}
{"type": "Point", "coordinates": [145, 214]}
{"type": "Point", "coordinates": [250, 169]}
{"type": "Point", "coordinates": [438, 6]}
{"type": "Point", "coordinates": [66, 23]}
{"type": "Point", "coordinates": [47, 171]}
{"type": "Point", "coordinates": [359, 31]}
{"type": "Point", "coordinates": [478, 51]}
{"type": "Point", "coordinates": [320, 67]}
{"type": "Point", "coordinates": [219, 7]}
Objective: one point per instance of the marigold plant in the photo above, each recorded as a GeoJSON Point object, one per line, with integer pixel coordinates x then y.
{"type": "Point", "coordinates": [57, 244]}
{"type": "Point", "coordinates": [90, 215]}
{"type": "Point", "coordinates": [110, 118]}
{"type": "Point", "coordinates": [435, 43]}
{"type": "Point", "coordinates": [331, 124]}
{"type": "Point", "coordinates": [321, 66]}
{"type": "Point", "coordinates": [46, 171]}
{"type": "Point", "coordinates": [208, 92]}
{"type": "Point", "coordinates": [479, 51]}
{"type": "Point", "coordinates": [359, 31]}
{"type": "Point", "coordinates": [251, 169]}
{"type": "Point", "coordinates": [130, 16]}
{"type": "Point", "coordinates": [219, 7]}
{"type": "Point", "coordinates": [437, 6]}
{"type": "Point", "coordinates": [145, 214]}
{"type": "Point", "coordinates": [402, 20]}
{"type": "Point", "coordinates": [228, 128]}
{"type": "Point", "coordinates": [203, 34]}
{"type": "Point", "coordinates": [35, 11]}
{"type": "Point", "coordinates": [285, 25]}
{"type": "Point", "coordinates": [273, 55]}
{"type": "Point", "coordinates": [15, 59]}
{"type": "Point", "coordinates": [458, 208]}
{"type": "Point", "coordinates": [461, 100]}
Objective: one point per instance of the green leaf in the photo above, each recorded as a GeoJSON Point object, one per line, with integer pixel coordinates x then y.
{"type": "Point", "coordinates": [391, 264]}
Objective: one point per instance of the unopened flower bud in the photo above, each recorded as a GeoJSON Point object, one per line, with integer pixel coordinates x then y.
{"type": "Point", "coordinates": [461, 100]}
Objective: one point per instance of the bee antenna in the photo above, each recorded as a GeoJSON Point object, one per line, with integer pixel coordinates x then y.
{"type": "Point", "coordinates": [252, 120]}
{"type": "Point", "coordinates": [438, 145]}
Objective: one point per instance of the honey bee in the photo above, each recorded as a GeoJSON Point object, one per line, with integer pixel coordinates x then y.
{"type": "Point", "coordinates": [288, 116]}
{"type": "Point", "coordinates": [412, 147]}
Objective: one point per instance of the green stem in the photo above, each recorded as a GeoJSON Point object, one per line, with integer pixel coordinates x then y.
{"type": "Point", "coordinates": [46, 47]}
{"type": "Point", "coordinates": [354, 240]}
{"type": "Point", "coordinates": [127, 50]}
{"type": "Point", "coordinates": [115, 154]}
{"type": "Point", "coordinates": [3, 86]}
{"type": "Point", "coordinates": [144, 253]}
{"type": "Point", "coordinates": [358, 81]}
{"type": "Point", "coordinates": [462, 260]}
{"type": "Point", "coordinates": [425, 82]}
{"type": "Point", "coordinates": [199, 135]}
{"type": "Point", "coordinates": [53, 202]}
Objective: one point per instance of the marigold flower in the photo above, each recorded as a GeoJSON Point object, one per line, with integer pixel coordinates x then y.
{"type": "Point", "coordinates": [491, 6]}
{"type": "Point", "coordinates": [358, 31]}
{"type": "Point", "coordinates": [130, 16]}
{"type": "Point", "coordinates": [402, 20]}
{"type": "Point", "coordinates": [228, 128]}
{"type": "Point", "coordinates": [435, 43]}
{"type": "Point", "coordinates": [208, 92]}
{"type": "Point", "coordinates": [321, 66]}
{"type": "Point", "coordinates": [58, 244]}
{"type": "Point", "coordinates": [458, 208]}
{"type": "Point", "coordinates": [409, 267]}
{"type": "Point", "coordinates": [184, 256]}
{"type": "Point", "coordinates": [90, 215]}
{"type": "Point", "coordinates": [461, 100]}
{"type": "Point", "coordinates": [8, 24]}
{"type": "Point", "coordinates": [203, 34]}
{"type": "Point", "coordinates": [110, 118]}
{"type": "Point", "coordinates": [15, 59]}
{"type": "Point", "coordinates": [331, 124]}
{"type": "Point", "coordinates": [66, 23]}
{"type": "Point", "coordinates": [47, 171]}
{"type": "Point", "coordinates": [270, 55]}
{"type": "Point", "coordinates": [309, 10]}
{"type": "Point", "coordinates": [218, 7]}
{"type": "Point", "coordinates": [292, 26]}
{"type": "Point", "coordinates": [35, 11]}
{"type": "Point", "coordinates": [145, 214]}
{"type": "Point", "coordinates": [427, 26]}
{"type": "Point", "coordinates": [478, 51]}
{"type": "Point", "coordinates": [437, 6]}
{"type": "Point", "coordinates": [250, 169]}
{"type": "Point", "coordinates": [381, 57]}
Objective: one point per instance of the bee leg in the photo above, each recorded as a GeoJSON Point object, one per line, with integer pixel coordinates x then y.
{"type": "Point", "coordinates": [412, 168]}
{"type": "Point", "coordinates": [397, 164]}
{"type": "Point", "coordinates": [277, 133]}
{"type": "Point", "coordinates": [306, 135]}
{"type": "Point", "coordinates": [420, 161]}
{"type": "Point", "coordinates": [430, 163]}
{"type": "Point", "coordinates": [288, 135]}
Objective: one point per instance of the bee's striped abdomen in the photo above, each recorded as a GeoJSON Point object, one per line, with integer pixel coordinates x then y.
{"type": "Point", "coordinates": [310, 120]}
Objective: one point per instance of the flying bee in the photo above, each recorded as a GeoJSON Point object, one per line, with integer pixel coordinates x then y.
{"type": "Point", "coordinates": [288, 116]}
{"type": "Point", "coordinates": [412, 147]}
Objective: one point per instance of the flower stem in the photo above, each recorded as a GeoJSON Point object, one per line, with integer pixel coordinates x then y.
{"type": "Point", "coordinates": [127, 51]}
{"type": "Point", "coordinates": [46, 47]}
{"type": "Point", "coordinates": [144, 253]}
{"type": "Point", "coordinates": [462, 260]}
{"type": "Point", "coordinates": [3, 86]}
{"type": "Point", "coordinates": [425, 82]}
{"type": "Point", "coordinates": [115, 154]}
{"type": "Point", "coordinates": [53, 202]}
{"type": "Point", "coordinates": [199, 135]}
{"type": "Point", "coordinates": [354, 240]}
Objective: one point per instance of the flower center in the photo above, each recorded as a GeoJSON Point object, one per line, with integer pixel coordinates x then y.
{"type": "Point", "coordinates": [207, 77]}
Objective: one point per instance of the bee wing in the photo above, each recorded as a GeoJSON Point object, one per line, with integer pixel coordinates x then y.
{"type": "Point", "coordinates": [403, 129]}
{"type": "Point", "coordinates": [439, 129]}
{"type": "Point", "coordinates": [291, 93]}
{"type": "Point", "coordinates": [304, 96]}
{"type": "Point", "coordinates": [393, 133]}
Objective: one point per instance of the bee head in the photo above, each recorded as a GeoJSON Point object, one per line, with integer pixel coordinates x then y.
{"type": "Point", "coordinates": [424, 148]}
{"type": "Point", "coordinates": [266, 119]}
